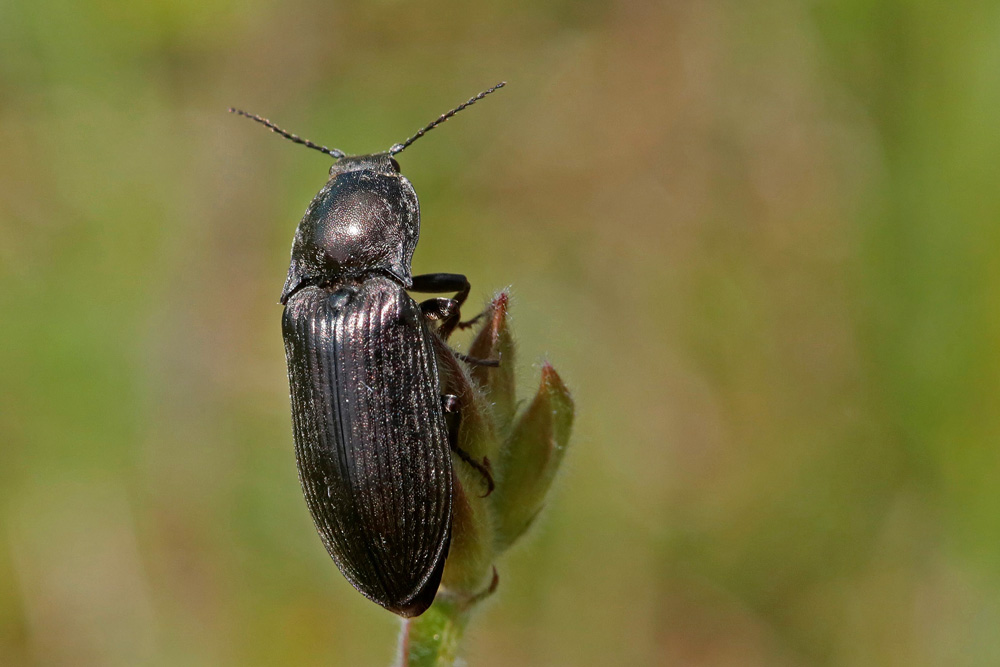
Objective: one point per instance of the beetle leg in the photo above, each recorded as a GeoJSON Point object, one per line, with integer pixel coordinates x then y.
{"type": "Point", "coordinates": [439, 308]}
{"type": "Point", "coordinates": [442, 309]}
{"type": "Point", "coordinates": [476, 361]}
{"type": "Point", "coordinates": [468, 323]}
{"type": "Point", "coordinates": [447, 311]}
{"type": "Point", "coordinates": [485, 468]}
{"type": "Point", "coordinates": [450, 404]}
{"type": "Point", "coordinates": [435, 283]}
{"type": "Point", "coordinates": [453, 417]}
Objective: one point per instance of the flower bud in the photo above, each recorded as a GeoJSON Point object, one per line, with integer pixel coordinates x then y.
{"type": "Point", "coordinates": [530, 457]}
{"type": "Point", "coordinates": [494, 341]}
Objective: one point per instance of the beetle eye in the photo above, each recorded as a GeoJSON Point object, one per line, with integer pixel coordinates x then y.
{"type": "Point", "coordinates": [395, 165]}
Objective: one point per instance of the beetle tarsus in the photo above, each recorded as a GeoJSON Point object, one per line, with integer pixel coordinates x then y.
{"type": "Point", "coordinates": [476, 361]}
{"type": "Point", "coordinates": [485, 468]}
{"type": "Point", "coordinates": [468, 323]}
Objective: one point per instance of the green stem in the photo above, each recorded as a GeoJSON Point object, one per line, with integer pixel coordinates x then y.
{"type": "Point", "coordinates": [432, 639]}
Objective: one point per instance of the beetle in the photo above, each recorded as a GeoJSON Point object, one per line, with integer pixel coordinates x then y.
{"type": "Point", "coordinates": [372, 442]}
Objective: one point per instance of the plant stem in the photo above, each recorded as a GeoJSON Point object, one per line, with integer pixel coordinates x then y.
{"type": "Point", "coordinates": [432, 639]}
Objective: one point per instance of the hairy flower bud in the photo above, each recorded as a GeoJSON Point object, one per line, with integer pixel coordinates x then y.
{"type": "Point", "coordinates": [518, 454]}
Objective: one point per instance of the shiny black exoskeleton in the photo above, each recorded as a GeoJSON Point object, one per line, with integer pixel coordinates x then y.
{"type": "Point", "coordinates": [371, 440]}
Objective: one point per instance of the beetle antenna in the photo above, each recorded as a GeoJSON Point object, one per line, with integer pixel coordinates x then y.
{"type": "Point", "coordinates": [399, 148]}
{"type": "Point", "coordinates": [288, 135]}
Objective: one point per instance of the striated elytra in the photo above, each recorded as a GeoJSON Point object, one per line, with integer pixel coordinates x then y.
{"type": "Point", "coordinates": [371, 440]}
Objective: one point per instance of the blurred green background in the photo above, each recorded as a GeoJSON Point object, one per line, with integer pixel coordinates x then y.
{"type": "Point", "coordinates": [758, 240]}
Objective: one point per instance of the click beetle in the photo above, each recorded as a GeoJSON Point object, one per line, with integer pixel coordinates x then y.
{"type": "Point", "coordinates": [372, 443]}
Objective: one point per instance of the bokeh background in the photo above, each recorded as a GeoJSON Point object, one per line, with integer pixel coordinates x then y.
{"type": "Point", "coordinates": [758, 240]}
